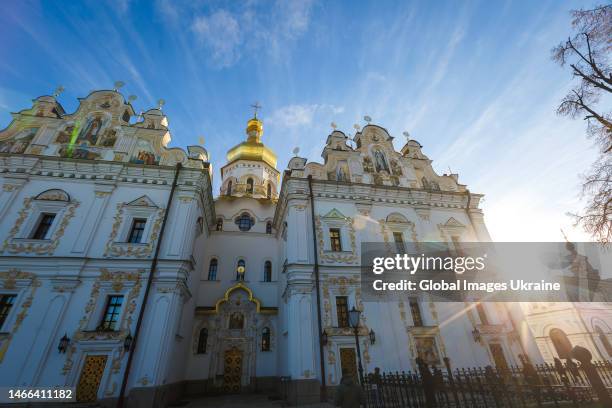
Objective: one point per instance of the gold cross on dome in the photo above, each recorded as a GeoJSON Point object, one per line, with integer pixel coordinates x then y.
{"type": "Point", "coordinates": [256, 106]}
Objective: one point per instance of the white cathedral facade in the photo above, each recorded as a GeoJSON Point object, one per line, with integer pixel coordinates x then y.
{"type": "Point", "coordinates": [122, 274]}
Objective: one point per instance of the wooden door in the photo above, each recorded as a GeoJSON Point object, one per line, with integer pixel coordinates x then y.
{"type": "Point", "coordinates": [348, 363]}
{"type": "Point", "coordinates": [91, 375]}
{"type": "Point", "coordinates": [232, 373]}
{"type": "Point", "coordinates": [498, 356]}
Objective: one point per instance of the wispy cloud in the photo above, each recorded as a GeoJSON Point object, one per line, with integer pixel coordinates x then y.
{"type": "Point", "coordinates": [292, 116]}
{"type": "Point", "coordinates": [228, 34]}
{"type": "Point", "coordinates": [220, 34]}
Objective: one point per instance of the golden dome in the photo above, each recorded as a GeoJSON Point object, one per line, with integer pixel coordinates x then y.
{"type": "Point", "coordinates": [252, 148]}
{"type": "Point", "coordinates": [254, 129]}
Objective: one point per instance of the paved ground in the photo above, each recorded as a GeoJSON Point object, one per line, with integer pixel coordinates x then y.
{"type": "Point", "coordinates": [240, 401]}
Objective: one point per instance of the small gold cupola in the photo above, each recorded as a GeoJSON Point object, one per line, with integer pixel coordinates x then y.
{"type": "Point", "coordinates": [254, 129]}
{"type": "Point", "coordinates": [253, 148]}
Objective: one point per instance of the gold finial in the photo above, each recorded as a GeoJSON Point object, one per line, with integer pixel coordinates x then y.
{"type": "Point", "coordinates": [58, 91]}
{"type": "Point", "coordinates": [333, 125]}
{"type": "Point", "coordinates": [201, 140]}
{"type": "Point", "coordinates": [118, 85]}
{"type": "Point", "coordinates": [160, 103]}
{"type": "Point", "coordinates": [254, 128]}
{"type": "Point", "coordinates": [256, 106]}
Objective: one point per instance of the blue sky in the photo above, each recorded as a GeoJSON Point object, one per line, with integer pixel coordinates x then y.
{"type": "Point", "coordinates": [471, 81]}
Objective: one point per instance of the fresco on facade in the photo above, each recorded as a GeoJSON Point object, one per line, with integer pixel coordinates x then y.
{"type": "Point", "coordinates": [109, 137]}
{"type": "Point", "coordinates": [91, 131]}
{"type": "Point", "coordinates": [64, 135]}
{"type": "Point", "coordinates": [18, 143]}
{"type": "Point", "coordinates": [144, 153]}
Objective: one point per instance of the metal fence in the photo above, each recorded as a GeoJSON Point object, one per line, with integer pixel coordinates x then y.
{"type": "Point", "coordinates": [561, 384]}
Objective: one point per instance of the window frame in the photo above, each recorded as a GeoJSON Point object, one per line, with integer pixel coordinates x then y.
{"type": "Point", "coordinates": [5, 312]}
{"type": "Point", "coordinates": [245, 216]}
{"type": "Point", "coordinates": [210, 271]}
{"type": "Point", "coordinates": [250, 185]}
{"type": "Point", "coordinates": [416, 313]}
{"type": "Point", "coordinates": [202, 341]}
{"type": "Point", "coordinates": [267, 276]}
{"type": "Point", "coordinates": [266, 339]}
{"type": "Point", "coordinates": [342, 317]}
{"type": "Point", "coordinates": [40, 207]}
{"type": "Point", "coordinates": [335, 242]}
{"type": "Point", "coordinates": [111, 325]}
{"type": "Point", "coordinates": [135, 232]}
{"type": "Point", "coordinates": [400, 246]}
{"type": "Point", "coordinates": [238, 264]}
{"type": "Point", "coordinates": [39, 224]}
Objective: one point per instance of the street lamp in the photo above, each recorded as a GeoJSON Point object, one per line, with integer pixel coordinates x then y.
{"type": "Point", "coordinates": [354, 316]}
{"type": "Point", "coordinates": [63, 343]}
{"type": "Point", "coordinates": [324, 338]}
{"type": "Point", "coordinates": [476, 334]}
{"type": "Point", "coordinates": [127, 342]}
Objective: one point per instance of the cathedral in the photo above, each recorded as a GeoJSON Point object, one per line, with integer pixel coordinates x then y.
{"type": "Point", "coordinates": [123, 274]}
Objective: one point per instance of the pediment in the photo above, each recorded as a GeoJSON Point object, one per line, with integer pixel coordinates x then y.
{"type": "Point", "coordinates": [453, 223]}
{"type": "Point", "coordinates": [53, 195]}
{"type": "Point", "coordinates": [397, 218]}
{"type": "Point", "coordinates": [334, 214]}
{"type": "Point", "coordinates": [143, 201]}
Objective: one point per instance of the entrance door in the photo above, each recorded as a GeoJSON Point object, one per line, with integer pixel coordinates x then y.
{"type": "Point", "coordinates": [87, 389]}
{"type": "Point", "coordinates": [232, 372]}
{"type": "Point", "coordinates": [348, 363]}
{"type": "Point", "coordinates": [498, 356]}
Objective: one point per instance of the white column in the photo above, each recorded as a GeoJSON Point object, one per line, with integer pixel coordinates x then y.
{"type": "Point", "coordinates": [302, 342]}
{"type": "Point", "coordinates": [94, 215]}
{"type": "Point", "coordinates": [10, 190]}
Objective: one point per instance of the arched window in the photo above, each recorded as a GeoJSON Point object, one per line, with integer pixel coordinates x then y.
{"type": "Point", "coordinates": [269, 192]}
{"type": "Point", "coordinates": [604, 340]}
{"type": "Point", "coordinates": [380, 162]}
{"type": "Point", "coordinates": [245, 222]}
{"type": "Point", "coordinates": [212, 269]}
{"type": "Point", "coordinates": [562, 344]}
{"type": "Point", "coordinates": [202, 340]}
{"type": "Point", "coordinates": [268, 227]}
{"type": "Point", "coordinates": [265, 339]}
{"type": "Point", "coordinates": [229, 188]}
{"type": "Point", "coordinates": [240, 270]}
{"type": "Point", "coordinates": [249, 186]}
{"type": "Point", "coordinates": [219, 224]}
{"type": "Point", "coordinates": [268, 271]}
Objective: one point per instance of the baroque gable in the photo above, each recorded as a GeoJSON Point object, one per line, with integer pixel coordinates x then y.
{"type": "Point", "coordinates": [101, 128]}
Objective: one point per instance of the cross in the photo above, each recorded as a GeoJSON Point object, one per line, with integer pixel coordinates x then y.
{"type": "Point", "coordinates": [58, 91]}
{"type": "Point", "coordinates": [118, 85]}
{"type": "Point", "coordinates": [256, 106]}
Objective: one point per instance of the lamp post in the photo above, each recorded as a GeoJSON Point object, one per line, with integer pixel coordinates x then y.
{"type": "Point", "coordinates": [63, 343]}
{"type": "Point", "coordinates": [354, 316]}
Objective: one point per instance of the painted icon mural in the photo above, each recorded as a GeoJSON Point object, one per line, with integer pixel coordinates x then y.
{"type": "Point", "coordinates": [18, 143]}
{"type": "Point", "coordinates": [144, 153]}
{"type": "Point", "coordinates": [92, 130]}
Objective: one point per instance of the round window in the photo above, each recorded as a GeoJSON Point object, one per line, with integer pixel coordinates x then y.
{"type": "Point", "coordinates": [245, 222]}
